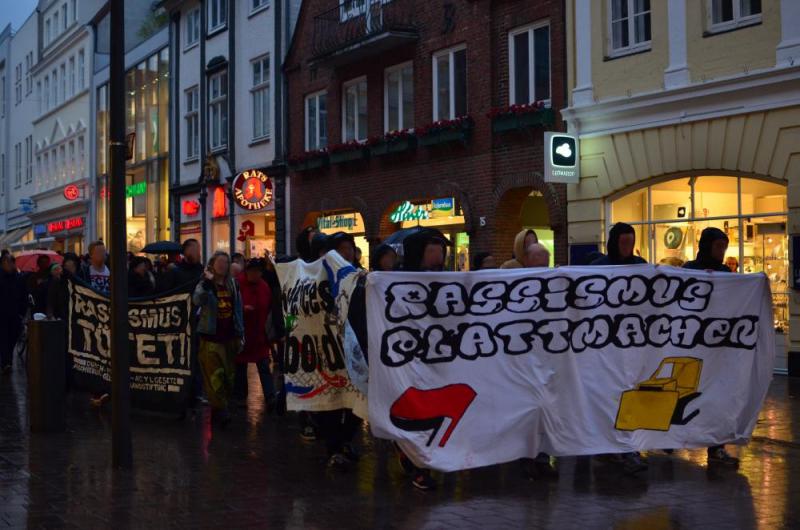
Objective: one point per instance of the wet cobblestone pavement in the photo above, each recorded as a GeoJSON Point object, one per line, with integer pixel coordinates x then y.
{"type": "Point", "coordinates": [258, 473]}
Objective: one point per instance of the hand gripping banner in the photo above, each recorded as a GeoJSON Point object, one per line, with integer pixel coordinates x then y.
{"type": "Point", "coordinates": [473, 369]}
{"type": "Point", "coordinates": [316, 298]}
{"type": "Point", "coordinates": [160, 346]}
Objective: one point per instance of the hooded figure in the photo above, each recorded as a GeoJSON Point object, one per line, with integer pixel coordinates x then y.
{"type": "Point", "coordinates": [614, 256]}
{"type": "Point", "coordinates": [377, 256]}
{"type": "Point", "coordinates": [705, 259]}
{"type": "Point", "coordinates": [303, 243]}
{"type": "Point", "coordinates": [318, 246]}
{"type": "Point", "coordinates": [519, 249]}
{"type": "Point", "coordinates": [414, 247]}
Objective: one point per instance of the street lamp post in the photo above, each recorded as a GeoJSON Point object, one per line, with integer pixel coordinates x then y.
{"type": "Point", "coordinates": [121, 445]}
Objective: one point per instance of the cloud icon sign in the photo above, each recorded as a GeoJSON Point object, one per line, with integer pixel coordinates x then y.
{"type": "Point", "coordinates": [564, 150]}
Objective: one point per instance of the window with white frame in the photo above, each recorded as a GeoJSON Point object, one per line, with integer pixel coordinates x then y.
{"type": "Point", "coordinates": [218, 110]}
{"type": "Point", "coordinates": [255, 5]}
{"type": "Point", "coordinates": [56, 27]}
{"type": "Point", "coordinates": [81, 156]}
{"type": "Point", "coordinates": [18, 84]}
{"type": "Point", "coordinates": [450, 84]}
{"type": "Point", "coordinates": [725, 15]}
{"type": "Point", "coordinates": [28, 76]}
{"type": "Point", "coordinates": [54, 166]}
{"type": "Point", "coordinates": [72, 167]}
{"type": "Point", "coordinates": [46, 166]}
{"type": "Point", "coordinates": [28, 159]}
{"type": "Point", "coordinates": [81, 68]}
{"type": "Point", "coordinates": [39, 96]}
{"type": "Point", "coordinates": [62, 161]}
{"type": "Point", "coordinates": [260, 97]}
{"type": "Point", "coordinates": [47, 32]}
{"type": "Point", "coordinates": [630, 26]}
{"type": "Point", "coordinates": [64, 93]}
{"type": "Point", "coordinates": [354, 110]}
{"type": "Point", "coordinates": [74, 10]}
{"type": "Point", "coordinates": [64, 16]}
{"type": "Point", "coordinates": [316, 121]}
{"type": "Point", "coordinates": [192, 122]}
{"type": "Point", "coordinates": [46, 93]}
{"type": "Point", "coordinates": [398, 98]}
{"type": "Point", "coordinates": [217, 14]}
{"type": "Point", "coordinates": [17, 165]}
{"type": "Point", "coordinates": [54, 86]}
{"type": "Point", "coordinates": [529, 59]}
{"type": "Point", "coordinates": [72, 76]}
{"type": "Point", "coordinates": [193, 27]}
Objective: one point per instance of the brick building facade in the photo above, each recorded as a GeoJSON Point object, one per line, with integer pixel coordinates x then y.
{"type": "Point", "coordinates": [492, 170]}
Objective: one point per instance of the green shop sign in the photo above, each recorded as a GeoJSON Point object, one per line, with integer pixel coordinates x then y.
{"type": "Point", "coordinates": [135, 190]}
{"type": "Point", "coordinates": [409, 212]}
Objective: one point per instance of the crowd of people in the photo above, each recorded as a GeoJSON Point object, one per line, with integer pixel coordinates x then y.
{"type": "Point", "coordinates": [239, 321]}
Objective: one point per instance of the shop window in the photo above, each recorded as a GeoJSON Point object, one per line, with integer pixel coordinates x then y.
{"type": "Point", "coordinates": [725, 15]}
{"type": "Point", "coordinates": [354, 110]}
{"type": "Point", "coordinates": [398, 98]}
{"type": "Point", "coordinates": [752, 212]}
{"type": "Point", "coordinates": [316, 121]}
{"type": "Point", "coordinates": [529, 78]}
{"type": "Point", "coordinates": [629, 22]}
{"type": "Point", "coordinates": [450, 84]}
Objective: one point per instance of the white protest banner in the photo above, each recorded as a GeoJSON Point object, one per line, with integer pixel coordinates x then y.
{"type": "Point", "coordinates": [473, 369]}
{"type": "Point", "coordinates": [316, 297]}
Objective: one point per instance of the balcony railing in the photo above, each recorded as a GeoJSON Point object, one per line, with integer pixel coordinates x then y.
{"type": "Point", "coordinates": [356, 28]}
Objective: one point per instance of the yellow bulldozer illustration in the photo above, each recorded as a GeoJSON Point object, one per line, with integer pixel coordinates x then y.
{"type": "Point", "coordinates": [661, 401]}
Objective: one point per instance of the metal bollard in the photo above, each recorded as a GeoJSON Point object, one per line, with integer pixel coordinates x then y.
{"type": "Point", "coordinates": [46, 374]}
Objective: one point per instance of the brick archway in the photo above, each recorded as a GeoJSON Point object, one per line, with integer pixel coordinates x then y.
{"type": "Point", "coordinates": [509, 195]}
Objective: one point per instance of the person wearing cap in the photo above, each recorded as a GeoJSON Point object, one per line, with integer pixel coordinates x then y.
{"type": "Point", "coordinates": [257, 304]}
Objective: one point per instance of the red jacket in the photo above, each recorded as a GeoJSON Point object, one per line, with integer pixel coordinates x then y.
{"type": "Point", "coordinates": [257, 302]}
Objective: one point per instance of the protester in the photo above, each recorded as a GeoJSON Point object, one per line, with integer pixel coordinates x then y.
{"type": "Point", "coordinates": [710, 255]}
{"type": "Point", "coordinates": [238, 259]}
{"type": "Point", "coordinates": [590, 257]}
{"type": "Point", "coordinates": [187, 271]}
{"type": "Point", "coordinates": [12, 310]}
{"type": "Point", "coordinates": [536, 255]}
{"type": "Point", "coordinates": [384, 258]}
{"type": "Point", "coordinates": [257, 304]}
{"type": "Point", "coordinates": [357, 260]}
{"type": "Point", "coordinates": [732, 263]}
{"type": "Point", "coordinates": [303, 243]}
{"type": "Point", "coordinates": [522, 241]}
{"type": "Point", "coordinates": [96, 272]}
{"type": "Point", "coordinates": [620, 247]}
{"type": "Point", "coordinates": [276, 332]}
{"type": "Point", "coordinates": [482, 261]}
{"type": "Point", "coordinates": [37, 283]}
{"type": "Point", "coordinates": [140, 280]}
{"type": "Point", "coordinates": [221, 331]}
{"type": "Point", "coordinates": [58, 288]}
{"type": "Point", "coordinates": [319, 246]}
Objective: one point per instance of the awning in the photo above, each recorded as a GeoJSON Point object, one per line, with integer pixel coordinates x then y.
{"type": "Point", "coordinates": [11, 237]}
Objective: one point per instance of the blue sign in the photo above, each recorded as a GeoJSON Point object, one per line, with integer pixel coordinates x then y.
{"type": "Point", "coordinates": [443, 204]}
{"type": "Point", "coordinates": [40, 230]}
{"type": "Point", "coordinates": [26, 205]}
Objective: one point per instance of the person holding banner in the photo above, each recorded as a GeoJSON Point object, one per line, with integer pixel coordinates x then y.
{"type": "Point", "coordinates": [619, 251]}
{"type": "Point", "coordinates": [12, 310]}
{"type": "Point", "coordinates": [710, 258]}
{"type": "Point", "coordinates": [221, 330]}
{"type": "Point", "coordinates": [521, 242]}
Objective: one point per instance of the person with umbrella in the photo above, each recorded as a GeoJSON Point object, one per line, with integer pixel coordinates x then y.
{"type": "Point", "coordinates": [188, 270]}
{"type": "Point", "coordinates": [12, 310]}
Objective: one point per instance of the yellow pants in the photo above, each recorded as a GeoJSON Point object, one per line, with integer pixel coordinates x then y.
{"type": "Point", "coordinates": [217, 366]}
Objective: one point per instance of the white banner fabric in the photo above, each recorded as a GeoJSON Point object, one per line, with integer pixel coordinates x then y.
{"type": "Point", "coordinates": [473, 369]}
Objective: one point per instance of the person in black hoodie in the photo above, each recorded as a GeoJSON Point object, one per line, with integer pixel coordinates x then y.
{"type": "Point", "coordinates": [13, 308]}
{"type": "Point", "coordinates": [140, 281]}
{"type": "Point", "coordinates": [620, 246]}
{"type": "Point", "coordinates": [711, 258]}
{"type": "Point", "coordinates": [188, 271]}
{"type": "Point", "coordinates": [384, 258]}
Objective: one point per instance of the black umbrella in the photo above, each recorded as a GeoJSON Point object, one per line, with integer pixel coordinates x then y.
{"type": "Point", "coordinates": [162, 247]}
{"type": "Point", "coordinates": [398, 237]}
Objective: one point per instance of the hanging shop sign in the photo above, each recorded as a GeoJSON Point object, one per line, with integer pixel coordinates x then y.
{"type": "Point", "coordinates": [190, 208]}
{"type": "Point", "coordinates": [345, 223]}
{"type": "Point", "coordinates": [252, 190]}
{"type": "Point", "coordinates": [443, 208]}
{"type": "Point", "coordinates": [40, 230]}
{"type": "Point", "coordinates": [136, 190]}
{"type": "Point", "coordinates": [27, 205]}
{"type": "Point", "coordinates": [561, 158]}
{"type": "Point", "coordinates": [66, 224]}
{"type": "Point", "coordinates": [248, 229]}
{"type": "Point", "coordinates": [72, 192]}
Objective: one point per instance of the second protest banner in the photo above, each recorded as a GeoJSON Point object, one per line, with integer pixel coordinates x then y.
{"type": "Point", "coordinates": [473, 369]}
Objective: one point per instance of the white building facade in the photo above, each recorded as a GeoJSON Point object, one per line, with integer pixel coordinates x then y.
{"type": "Point", "coordinates": [226, 57]}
